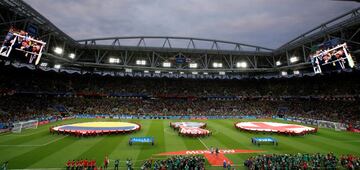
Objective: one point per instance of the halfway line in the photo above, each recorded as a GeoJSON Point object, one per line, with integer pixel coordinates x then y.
{"type": "Point", "coordinates": [203, 143]}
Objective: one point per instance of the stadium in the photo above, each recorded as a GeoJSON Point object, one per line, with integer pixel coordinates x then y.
{"type": "Point", "coordinates": [78, 91]}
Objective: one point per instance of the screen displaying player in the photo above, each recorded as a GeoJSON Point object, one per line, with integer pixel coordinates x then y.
{"type": "Point", "coordinates": [329, 58]}
{"type": "Point", "coordinates": [28, 48]}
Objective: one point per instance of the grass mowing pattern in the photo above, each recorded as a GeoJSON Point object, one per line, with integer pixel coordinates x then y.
{"type": "Point", "coordinates": [39, 149]}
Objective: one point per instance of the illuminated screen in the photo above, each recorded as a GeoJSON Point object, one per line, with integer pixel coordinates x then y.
{"type": "Point", "coordinates": [21, 45]}
{"type": "Point", "coordinates": [330, 57]}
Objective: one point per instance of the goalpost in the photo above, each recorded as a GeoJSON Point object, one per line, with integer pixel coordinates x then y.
{"type": "Point", "coordinates": [332, 125]}
{"type": "Point", "coordinates": [339, 126]}
{"type": "Point", "coordinates": [19, 126]}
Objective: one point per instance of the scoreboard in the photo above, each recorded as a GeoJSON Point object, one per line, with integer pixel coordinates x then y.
{"type": "Point", "coordinates": [21, 45]}
{"type": "Point", "coordinates": [331, 56]}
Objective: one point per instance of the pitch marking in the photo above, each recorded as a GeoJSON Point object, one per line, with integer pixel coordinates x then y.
{"type": "Point", "coordinates": [29, 134]}
{"type": "Point", "coordinates": [203, 144]}
{"type": "Point", "coordinates": [35, 145]}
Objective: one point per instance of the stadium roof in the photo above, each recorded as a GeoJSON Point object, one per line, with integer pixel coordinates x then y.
{"type": "Point", "coordinates": [210, 55]}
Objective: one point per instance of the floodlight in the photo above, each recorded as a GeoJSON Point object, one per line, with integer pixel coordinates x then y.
{"type": "Point", "coordinates": [57, 66]}
{"type": "Point", "coordinates": [193, 65]}
{"type": "Point", "coordinates": [141, 62]}
{"type": "Point", "coordinates": [166, 64]}
{"type": "Point", "coordinates": [72, 55]}
{"type": "Point", "coordinates": [58, 50]}
{"type": "Point", "coordinates": [241, 64]}
{"type": "Point", "coordinates": [44, 64]}
{"type": "Point", "coordinates": [114, 60]}
{"type": "Point", "coordinates": [217, 65]}
{"type": "Point", "coordinates": [278, 63]}
{"type": "Point", "coordinates": [294, 59]}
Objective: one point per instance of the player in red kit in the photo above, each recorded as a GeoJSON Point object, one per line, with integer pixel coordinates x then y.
{"type": "Point", "coordinates": [106, 162]}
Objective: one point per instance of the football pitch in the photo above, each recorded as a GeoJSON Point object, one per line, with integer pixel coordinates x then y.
{"type": "Point", "coordinates": [38, 149]}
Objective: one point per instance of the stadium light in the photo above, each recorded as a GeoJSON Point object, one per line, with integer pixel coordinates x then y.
{"type": "Point", "coordinates": [170, 72]}
{"type": "Point", "coordinates": [128, 70]}
{"type": "Point", "coordinates": [44, 64]}
{"type": "Point", "coordinates": [217, 65]}
{"type": "Point", "coordinates": [72, 55]}
{"type": "Point", "coordinates": [222, 73]}
{"type": "Point", "coordinates": [141, 62]}
{"type": "Point", "coordinates": [284, 73]}
{"type": "Point", "coordinates": [181, 72]}
{"type": "Point", "coordinates": [114, 60]}
{"type": "Point", "coordinates": [58, 50]}
{"type": "Point", "coordinates": [296, 72]}
{"type": "Point", "coordinates": [146, 71]}
{"type": "Point", "coordinates": [157, 71]}
{"type": "Point", "coordinates": [294, 59]}
{"type": "Point", "coordinates": [57, 66]}
{"type": "Point", "coordinates": [194, 73]}
{"type": "Point", "coordinates": [278, 63]}
{"type": "Point", "coordinates": [205, 73]}
{"type": "Point", "coordinates": [241, 64]}
{"type": "Point", "coordinates": [166, 64]}
{"type": "Point", "coordinates": [193, 65]}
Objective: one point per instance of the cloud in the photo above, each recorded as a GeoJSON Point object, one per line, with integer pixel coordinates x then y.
{"type": "Point", "coordinates": [261, 22]}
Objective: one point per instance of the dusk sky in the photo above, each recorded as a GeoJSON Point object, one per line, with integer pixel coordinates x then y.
{"type": "Point", "coordinates": [268, 23]}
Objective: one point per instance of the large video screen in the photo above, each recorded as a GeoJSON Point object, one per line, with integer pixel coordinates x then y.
{"type": "Point", "coordinates": [331, 56]}
{"type": "Point", "coordinates": [19, 44]}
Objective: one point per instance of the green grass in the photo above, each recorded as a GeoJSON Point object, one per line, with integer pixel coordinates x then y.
{"type": "Point", "coordinates": [37, 148]}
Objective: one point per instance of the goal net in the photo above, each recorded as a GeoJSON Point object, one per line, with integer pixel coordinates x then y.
{"type": "Point", "coordinates": [332, 125]}
{"type": "Point", "coordinates": [340, 126]}
{"type": "Point", "coordinates": [19, 126]}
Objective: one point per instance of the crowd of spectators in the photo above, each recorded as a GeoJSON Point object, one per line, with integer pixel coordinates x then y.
{"type": "Point", "coordinates": [293, 161]}
{"type": "Point", "coordinates": [176, 162]}
{"type": "Point", "coordinates": [350, 162]}
{"type": "Point", "coordinates": [302, 161]}
{"type": "Point", "coordinates": [28, 94]}
{"type": "Point", "coordinates": [19, 107]}
{"type": "Point", "coordinates": [36, 80]}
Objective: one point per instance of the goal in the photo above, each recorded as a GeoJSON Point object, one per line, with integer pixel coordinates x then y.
{"type": "Point", "coordinates": [332, 125]}
{"type": "Point", "coordinates": [19, 126]}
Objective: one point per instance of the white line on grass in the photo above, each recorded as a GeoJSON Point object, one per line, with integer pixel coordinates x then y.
{"type": "Point", "coordinates": [351, 141]}
{"type": "Point", "coordinates": [35, 145]}
{"type": "Point", "coordinates": [27, 134]}
{"type": "Point", "coordinates": [170, 133]}
{"type": "Point", "coordinates": [39, 169]}
{"type": "Point", "coordinates": [22, 134]}
{"type": "Point", "coordinates": [203, 144]}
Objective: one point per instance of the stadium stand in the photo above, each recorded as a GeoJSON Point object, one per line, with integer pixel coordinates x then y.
{"type": "Point", "coordinates": [302, 161]}
{"type": "Point", "coordinates": [176, 162]}
{"type": "Point", "coordinates": [29, 94]}
{"type": "Point", "coordinates": [47, 76]}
